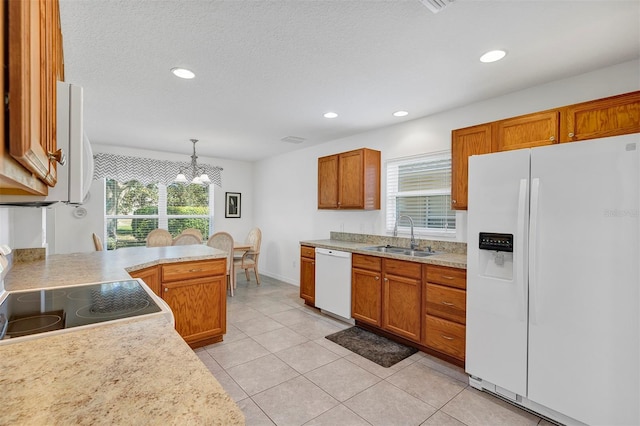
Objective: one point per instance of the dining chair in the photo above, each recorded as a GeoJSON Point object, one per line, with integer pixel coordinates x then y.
{"type": "Point", "coordinates": [193, 231]}
{"type": "Point", "coordinates": [186, 240]}
{"type": "Point", "coordinates": [224, 241]}
{"type": "Point", "coordinates": [249, 260]}
{"type": "Point", "coordinates": [97, 242]}
{"type": "Point", "coordinates": [159, 238]}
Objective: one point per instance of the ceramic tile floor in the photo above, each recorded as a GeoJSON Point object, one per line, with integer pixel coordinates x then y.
{"type": "Point", "coordinates": [277, 365]}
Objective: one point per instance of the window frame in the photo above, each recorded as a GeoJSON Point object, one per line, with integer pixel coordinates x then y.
{"type": "Point", "coordinates": [392, 179]}
{"type": "Point", "coordinates": [162, 216]}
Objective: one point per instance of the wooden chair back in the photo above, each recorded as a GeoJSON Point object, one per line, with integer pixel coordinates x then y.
{"type": "Point", "coordinates": [97, 242]}
{"type": "Point", "coordinates": [159, 238]}
{"type": "Point", "coordinates": [186, 240]}
{"type": "Point", "coordinates": [193, 231]}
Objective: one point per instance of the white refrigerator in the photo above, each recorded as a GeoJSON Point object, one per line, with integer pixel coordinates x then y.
{"type": "Point", "coordinates": [553, 278]}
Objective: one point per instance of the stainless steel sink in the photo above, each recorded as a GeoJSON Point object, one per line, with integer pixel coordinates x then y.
{"type": "Point", "coordinates": [400, 250]}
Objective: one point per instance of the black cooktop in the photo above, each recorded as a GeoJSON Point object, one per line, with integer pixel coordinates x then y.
{"type": "Point", "coordinates": [38, 311]}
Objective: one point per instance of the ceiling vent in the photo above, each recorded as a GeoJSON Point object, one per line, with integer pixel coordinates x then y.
{"type": "Point", "coordinates": [293, 139]}
{"type": "Point", "coordinates": [436, 6]}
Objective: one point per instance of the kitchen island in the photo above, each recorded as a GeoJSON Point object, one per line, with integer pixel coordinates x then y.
{"type": "Point", "coordinates": [138, 371]}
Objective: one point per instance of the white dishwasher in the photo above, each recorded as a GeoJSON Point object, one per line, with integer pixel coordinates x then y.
{"type": "Point", "coordinates": [333, 282]}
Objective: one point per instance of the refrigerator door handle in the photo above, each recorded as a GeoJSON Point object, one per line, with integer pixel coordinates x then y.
{"type": "Point", "coordinates": [533, 242]}
{"type": "Point", "coordinates": [520, 260]}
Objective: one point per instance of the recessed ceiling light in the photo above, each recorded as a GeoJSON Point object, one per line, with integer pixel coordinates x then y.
{"type": "Point", "coordinates": [492, 56]}
{"type": "Point", "coordinates": [183, 73]}
{"type": "Point", "coordinates": [330, 115]}
{"type": "Point", "coordinates": [400, 114]}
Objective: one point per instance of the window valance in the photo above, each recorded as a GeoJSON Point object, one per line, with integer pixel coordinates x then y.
{"type": "Point", "coordinates": [147, 170]}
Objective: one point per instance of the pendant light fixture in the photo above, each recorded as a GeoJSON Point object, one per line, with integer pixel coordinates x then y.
{"type": "Point", "coordinates": [199, 175]}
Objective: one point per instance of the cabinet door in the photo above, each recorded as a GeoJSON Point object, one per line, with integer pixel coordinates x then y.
{"type": "Point", "coordinates": [308, 280]}
{"type": "Point", "coordinates": [350, 180]}
{"type": "Point", "coordinates": [528, 131]}
{"type": "Point", "coordinates": [150, 276]}
{"type": "Point", "coordinates": [34, 67]}
{"type": "Point", "coordinates": [445, 336]}
{"type": "Point", "coordinates": [464, 143]}
{"type": "Point", "coordinates": [616, 115]}
{"type": "Point", "coordinates": [445, 302]}
{"type": "Point", "coordinates": [199, 307]}
{"type": "Point", "coordinates": [401, 309]}
{"type": "Point", "coordinates": [366, 296]}
{"type": "Point", "coordinates": [328, 182]}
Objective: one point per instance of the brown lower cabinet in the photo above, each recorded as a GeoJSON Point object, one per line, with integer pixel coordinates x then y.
{"type": "Point", "coordinates": [196, 292]}
{"type": "Point", "coordinates": [366, 289]}
{"type": "Point", "coordinates": [386, 293]}
{"type": "Point", "coordinates": [445, 305]}
{"type": "Point", "coordinates": [151, 277]}
{"type": "Point", "coordinates": [308, 275]}
{"type": "Point", "coordinates": [417, 304]}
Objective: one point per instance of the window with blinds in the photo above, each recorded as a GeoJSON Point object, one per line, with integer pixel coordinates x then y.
{"type": "Point", "coordinates": [420, 187]}
{"type": "Point", "coordinates": [133, 209]}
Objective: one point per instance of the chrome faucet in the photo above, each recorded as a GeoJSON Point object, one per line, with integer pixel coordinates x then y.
{"type": "Point", "coordinates": [395, 230]}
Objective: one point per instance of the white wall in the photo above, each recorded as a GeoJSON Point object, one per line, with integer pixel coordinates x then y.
{"type": "Point", "coordinates": [69, 233]}
{"type": "Point", "coordinates": [25, 227]}
{"type": "Point", "coordinates": [237, 176]}
{"type": "Point", "coordinates": [286, 185]}
{"type": "Point", "coordinates": [279, 193]}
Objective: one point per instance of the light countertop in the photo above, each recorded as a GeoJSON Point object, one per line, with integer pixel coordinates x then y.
{"type": "Point", "coordinates": [133, 372]}
{"type": "Point", "coordinates": [454, 260]}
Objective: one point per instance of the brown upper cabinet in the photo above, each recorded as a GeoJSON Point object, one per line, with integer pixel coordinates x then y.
{"type": "Point", "coordinates": [33, 50]}
{"type": "Point", "coordinates": [612, 116]}
{"type": "Point", "coordinates": [349, 180]}
{"type": "Point", "coordinates": [527, 131]}
{"type": "Point", "coordinates": [464, 143]}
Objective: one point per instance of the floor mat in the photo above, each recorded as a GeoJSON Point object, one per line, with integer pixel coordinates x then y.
{"type": "Point", "coordinates": [375, 348]}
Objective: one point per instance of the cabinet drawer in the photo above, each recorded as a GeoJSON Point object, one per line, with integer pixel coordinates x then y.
{"type": "Point", "coordinates": [371, 263]}
{"type": "Point", "coordinates": [306, 251]}
{"type": "Point", "coordinates": [445, 336]}
{"type": "Point", "coordinates": [452, 277]}
{"type": "Point", "coordinates": [403, 268]}
{"type": "Point", "coordinates": [446, 302]}
{"type": "Point", "coordinates": [187, 270]}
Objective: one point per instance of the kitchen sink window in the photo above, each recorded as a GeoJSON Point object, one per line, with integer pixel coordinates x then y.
{"type": "Point", "coordinates": [420, 187]}
{"type": "Point", "coordinates": [133, 209]}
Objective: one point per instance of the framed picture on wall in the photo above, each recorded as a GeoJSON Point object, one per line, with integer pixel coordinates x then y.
{"type": "Point", "coordinates": [232, 204]}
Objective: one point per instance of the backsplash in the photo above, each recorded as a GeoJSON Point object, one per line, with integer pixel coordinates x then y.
{"type": "Point", "coordinates": [379, 240]}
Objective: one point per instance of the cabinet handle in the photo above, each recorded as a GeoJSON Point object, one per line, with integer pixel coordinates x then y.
{"type": "Point", "coordinates": [453, 201]}
{"type": "Point", "coordinates": [448, 303]}
{"type": "Point", "coordinates": [571, 135]}
{"type": "Point", "coordinates": [166, 289]}
{"type": "Point", "coordinates": [57, 156]}
{"type": "Point", "coordinates": [446, 337]}
{"type": "Point", "coordinates": [377, 278]}
{"type": "Point", "coordinates": [313, 263]}
{"type": "Point", "coordinates": [552, 138]}
{"type": "Point", "coordinates": [447, 277]}
{"type": "Point", "coordinates": [386, 279]}
{"type": "Point", "coordinates": [195, 270]}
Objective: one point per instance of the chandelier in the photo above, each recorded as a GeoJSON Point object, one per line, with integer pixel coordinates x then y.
{"type": "Point", "coordinates": [200, 177]}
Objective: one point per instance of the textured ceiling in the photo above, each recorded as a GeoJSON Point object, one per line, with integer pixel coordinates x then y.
{"type": "Point", "coordinates": [266, 70]}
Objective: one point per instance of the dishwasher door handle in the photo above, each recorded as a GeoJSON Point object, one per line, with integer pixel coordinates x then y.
{"type": "Point", "coordinates": [331, 252]}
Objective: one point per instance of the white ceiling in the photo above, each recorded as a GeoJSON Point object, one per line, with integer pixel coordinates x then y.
{"type": "Point", "coordinates": [266, 70]}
